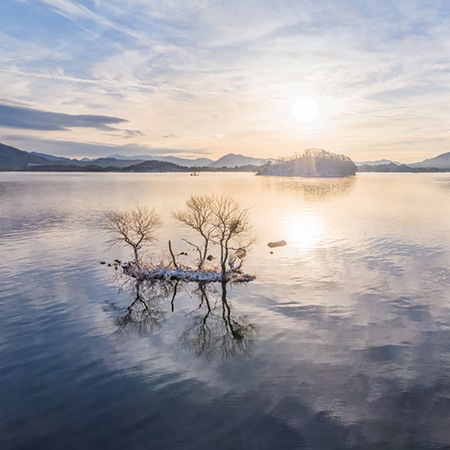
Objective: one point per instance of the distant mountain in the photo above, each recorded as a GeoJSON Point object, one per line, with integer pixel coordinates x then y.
{"type": "Point", "coordinates": [133, 158]}
{"type": "Point", "coordinates": [397, 168]}
{"type": "Point", "coordinates": [12, 158]}
{"type": "Point", "coordinates": [55, 158]}
{"type": "Point", "coordinates": [233, 160]}
{"type": "Point", "coordinates": [378, 162]}
{"type": "Point", "coordinates": [230, 160]}
{"type": "Point", "coordinates": [387, 167]}
{"type": "Point", "coordinates": [110, 162]}
{"type": "Point", "coordinates": [439, 162]}
{"type": "Point", "coordinates": [155, 166]}
{"type": "Point", "coordinates": [198, 162]}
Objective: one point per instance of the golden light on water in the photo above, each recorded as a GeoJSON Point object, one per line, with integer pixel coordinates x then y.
{"type": "Point", "coordinates": [304, 231]}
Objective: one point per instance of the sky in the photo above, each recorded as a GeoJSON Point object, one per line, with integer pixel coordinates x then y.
{"type": "Point", "coordinates": [202, 78]}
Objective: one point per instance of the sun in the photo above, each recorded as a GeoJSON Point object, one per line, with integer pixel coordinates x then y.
{"type": "Point", "coordinates": [305, 109]}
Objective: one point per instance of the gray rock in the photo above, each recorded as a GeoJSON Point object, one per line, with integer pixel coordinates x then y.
{"type": "Point", "coordinates": [281, 243]}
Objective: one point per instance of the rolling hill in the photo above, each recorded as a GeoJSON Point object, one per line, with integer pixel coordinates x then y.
{"type": "Point", "coordinates": [439, 162]}
{"type": "Point", "coordinates": [236, 160]}
{"type": "Point", "coordinates": [198, 162]}
{"type": "Point", "coordinates": [12, 158]}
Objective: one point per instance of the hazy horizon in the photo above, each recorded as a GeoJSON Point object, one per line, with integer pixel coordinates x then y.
{"type": "Point", "coordinates": [207, 78]}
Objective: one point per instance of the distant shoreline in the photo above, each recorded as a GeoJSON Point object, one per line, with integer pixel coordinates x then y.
{"type": "Point", "coordinates": [181, 169]}
{"type": "Point", "coordinates": [313, 161]}
{"type": "Point", "coordinates": [187, 170]}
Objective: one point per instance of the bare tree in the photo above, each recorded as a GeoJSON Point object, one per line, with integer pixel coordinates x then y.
{"type": "Point", "coordinates": [135, 228]}
{"type": "Point", "coordinates": [220, 221]}
{"type": "Point", "coordinates": [198, 216]}
{"type": "Point", "coordinates": [232, 229]}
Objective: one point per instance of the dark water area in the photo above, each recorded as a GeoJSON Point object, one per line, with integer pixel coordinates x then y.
{"type": "Point", "coordinates": [342, 341]}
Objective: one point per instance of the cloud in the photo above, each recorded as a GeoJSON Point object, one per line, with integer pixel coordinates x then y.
{"type": "Point", "coordinates": [35, 119]}
{"type": "Point", "coordinates": [223, 75]}
{"type": "Point", "coordinates": [60, 76]}
{"type": "Point", "coordinates": [133, 133]}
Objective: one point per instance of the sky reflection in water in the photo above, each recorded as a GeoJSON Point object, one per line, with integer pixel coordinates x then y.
{"type": "Point", "coordinates": [342, 341]}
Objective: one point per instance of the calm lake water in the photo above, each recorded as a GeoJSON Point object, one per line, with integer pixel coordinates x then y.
{"type": "Point", "coordinates": [342, 341]}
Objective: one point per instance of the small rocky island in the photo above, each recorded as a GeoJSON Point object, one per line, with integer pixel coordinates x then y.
{"type": "Point", "coordinates": [313, 162]}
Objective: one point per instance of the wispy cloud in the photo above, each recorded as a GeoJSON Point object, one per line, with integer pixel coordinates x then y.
{"type": "Point", "coordinates": [59, 75]}
{"type": "Point", "coordinates": [34, 119]}
{"type": "Point", "coordinates": [223, 75]}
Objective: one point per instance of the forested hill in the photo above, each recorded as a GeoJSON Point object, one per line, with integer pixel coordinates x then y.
{"type": "Point", "coordinates": [311, 163]}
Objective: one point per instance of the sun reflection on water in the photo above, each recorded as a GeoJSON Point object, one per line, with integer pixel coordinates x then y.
{"type": "Point", "coordinates": [304, 231]}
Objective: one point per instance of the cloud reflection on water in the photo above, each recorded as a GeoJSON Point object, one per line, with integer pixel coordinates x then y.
{"type": "Point", "coordinates": [352, 348]}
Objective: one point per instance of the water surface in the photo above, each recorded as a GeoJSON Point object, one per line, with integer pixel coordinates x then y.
{"type": "Point", "coordinates": [342, 342]}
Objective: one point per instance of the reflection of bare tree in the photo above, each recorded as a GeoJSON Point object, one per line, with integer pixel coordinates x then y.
{"type": "Point", "coordinates": [146, 312]}
{"type": "Point", "coordinates": [217, 335]}
{"type": "Point", "coordinates": [214, 332]}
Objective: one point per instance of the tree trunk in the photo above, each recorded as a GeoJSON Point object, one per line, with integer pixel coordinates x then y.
{"type": "Point", "coordinates": [205, 254]}
{"type": "Point", "coordinates": [136, 257]}
{"type": "Point", "coordinates": [223, 259]}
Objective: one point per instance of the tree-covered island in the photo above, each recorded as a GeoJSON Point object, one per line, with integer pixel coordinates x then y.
{"type": "Point", "coordinates": [313, 162]}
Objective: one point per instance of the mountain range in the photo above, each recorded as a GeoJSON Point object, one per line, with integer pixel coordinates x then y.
{"type": "Point", "coordinates": [440, 163]}
{"type": "Point", "coordinates": [378, 162]}
{"type": "Point", "coordinates": [198, 162]}
{"type": "Point", "coordinates": [13, 159]}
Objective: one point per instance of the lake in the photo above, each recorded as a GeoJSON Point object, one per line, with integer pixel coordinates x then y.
{"type": "Point", "coordinates": [342, 341]}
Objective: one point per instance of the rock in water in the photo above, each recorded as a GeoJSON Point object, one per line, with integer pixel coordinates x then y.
{"type": "Point", "coordinates": [281, 243]}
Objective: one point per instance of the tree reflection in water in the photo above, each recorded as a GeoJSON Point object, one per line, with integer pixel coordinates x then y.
{"type": "Point", "coordinates": [145, 313]}
{"type": "Point", "coordinates": [213, 331]}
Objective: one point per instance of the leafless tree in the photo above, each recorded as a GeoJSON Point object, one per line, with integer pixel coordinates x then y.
{"type": "Point", "coordinates": [220, 221]}
{"type": "Point", "coordinates": [198, 216]}
{"type": "Point", "coordinates": [135, 228]}
{"type": "Point", "coordinates": [232, 229]}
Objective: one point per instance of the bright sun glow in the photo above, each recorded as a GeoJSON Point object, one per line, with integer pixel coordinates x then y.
{"type": "Point", "coordinates": [304, 231]}
{"type": "Point", "coordinates": [305, 109]}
